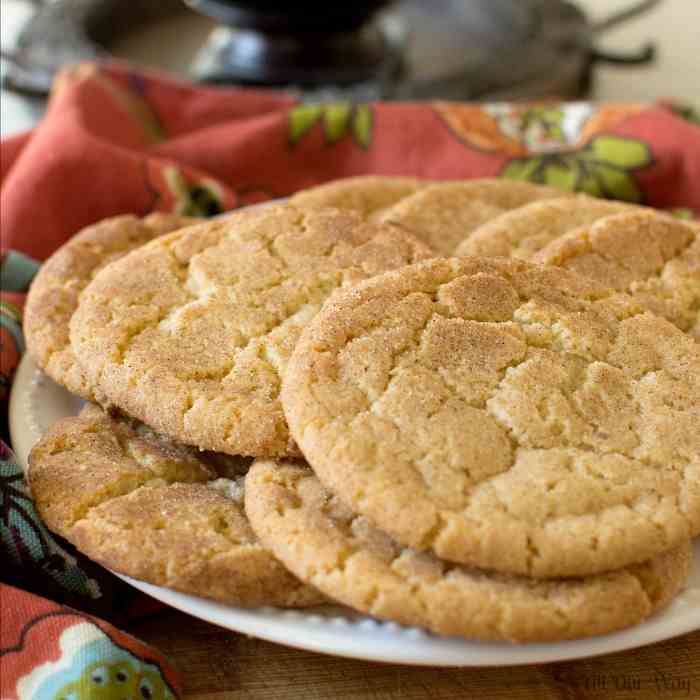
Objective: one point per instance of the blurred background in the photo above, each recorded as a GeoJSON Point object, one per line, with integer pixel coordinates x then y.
{"type": "Point", "coordinates": [623, 50]}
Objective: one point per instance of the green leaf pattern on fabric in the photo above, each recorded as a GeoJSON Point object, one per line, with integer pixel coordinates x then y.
{"type": "Point", "coordinates": [336, 119]}
{"type": "Point", "coordinates": [602, 168]}
{"type": "Point", "coordinates": [625, 153]}
{"type": "Point", "coordinates": [339, 120]}
{"type": "Point", "coordinates": [362, 126]}
{"type": "Point", "coordinates": [301, 119]}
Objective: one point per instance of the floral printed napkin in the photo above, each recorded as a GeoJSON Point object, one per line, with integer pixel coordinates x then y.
{"type": "Point", "coordinates": [116, 141]}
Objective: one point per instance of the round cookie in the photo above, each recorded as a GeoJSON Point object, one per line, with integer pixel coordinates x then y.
{"type": "Point", "coordinates": [156, 511]}
{"type": "Point", "coordinates": [53, 295]}
{"type": "Point", "coordinates": [651, 256]}
{"type": "Point", "coordinates": [522, 232]}
{"type": "Point", "coordinates": [510, 416]}
{"type": "Point", "coordinates": [340, 553]}
{"type": "Point", "coordinates": [445, 214]}
{"type": "Point", "coordinates": [368, 195]}
{"type": "Point", "coordinates": [191, 333]}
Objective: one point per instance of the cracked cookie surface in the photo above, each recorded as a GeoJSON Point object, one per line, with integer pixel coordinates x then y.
{"type": "Point", "coordinates": [327, 545]}
{"type": "Point", "coordinates": [445, 214]}
{"type": "Point", "coordinates": [53, 296]}
{"type": "Point", "coordinates": [522, 232]}
{"type": "Point", "coordinates": [651, 256]}
{"type": "Point", "coordinates": [369, 195]}
{"type": "Point", "coordinates": [191, 333]}
{"type": "Point", "coordinates": [157, 511]}
{"type": "Point", "coordinates": [515, 417]}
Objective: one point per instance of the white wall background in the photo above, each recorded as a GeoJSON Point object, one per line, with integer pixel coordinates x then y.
{"type": "Point", "coordinates": [674, 25]}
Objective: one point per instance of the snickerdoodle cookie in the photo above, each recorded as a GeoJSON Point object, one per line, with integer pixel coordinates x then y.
{"type": "Point", "coordinates": [511, 416]}
{"type": "Point", "coordinates": [191, 333]}
{"type": "Point", "coordinates": [342, 554]}
{"type": "Point", "coordinates": [651, 256]}
{"type": "Point", "coordinates": [366, 194]}
{"type": "Point", "coordinates": [53, 296]}
{"type": "Point", "coordinates": [155, 511]}
{"type": "Point", "coordinates": [445, 214]}
{"type": "Point", "coordinates": [520, 233]}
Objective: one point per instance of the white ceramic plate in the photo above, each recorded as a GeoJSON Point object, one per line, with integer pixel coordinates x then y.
{"type": "Point", "coordinates": [36, 402]}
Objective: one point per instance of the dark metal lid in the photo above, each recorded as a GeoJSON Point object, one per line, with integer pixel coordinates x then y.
{"type": "Point", "coordinates": [283, 17]}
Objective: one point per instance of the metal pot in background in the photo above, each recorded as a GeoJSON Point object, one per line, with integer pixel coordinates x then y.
{"type": "Point", "coordinates": [371, 49]}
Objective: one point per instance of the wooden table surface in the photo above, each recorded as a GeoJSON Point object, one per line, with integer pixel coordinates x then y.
{"type": "Point", "coordinates": [221, 665]}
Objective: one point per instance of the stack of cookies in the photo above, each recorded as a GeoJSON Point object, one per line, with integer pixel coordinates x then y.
{"type": "Point", "coordinates": [468, 406]}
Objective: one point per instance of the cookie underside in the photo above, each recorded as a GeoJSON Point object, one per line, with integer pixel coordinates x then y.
{"type": "Point", "coordinates": [157, 511]}
{"type": "Point", "coordinates": [340, 553]}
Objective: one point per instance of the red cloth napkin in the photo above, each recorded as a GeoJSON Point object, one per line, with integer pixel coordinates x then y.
{"type": "Point", "coordinates": [51, 652]}
{"type": "Point", "coordinates": [117, 141]}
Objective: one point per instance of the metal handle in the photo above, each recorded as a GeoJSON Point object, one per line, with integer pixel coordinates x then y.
{"type": "Point", "coordinates": [620, 16]}
{"type": "Point", "coordinates": [645, 54]}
